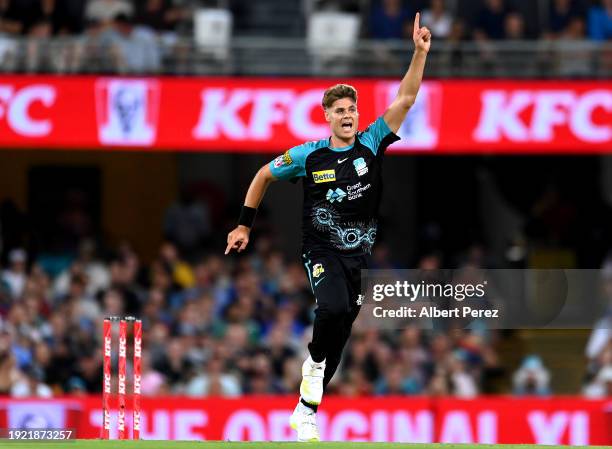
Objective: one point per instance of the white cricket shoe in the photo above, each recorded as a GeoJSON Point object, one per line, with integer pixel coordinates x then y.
{"type": "Point", "coordinates": [304, 421]}
{"type": "Point", "coordinates": [311, 388]}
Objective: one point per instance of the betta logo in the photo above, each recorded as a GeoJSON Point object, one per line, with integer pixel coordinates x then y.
{"type": "Point", "coordinates": [324, 176]}
{"type": "Point", "coordinates": [127, 111]}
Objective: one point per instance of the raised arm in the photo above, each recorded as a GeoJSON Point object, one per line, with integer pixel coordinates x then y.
{"type": "Point", "coordinates": [409, 87]}
{"type": "Point", "coordinates": [238, 239]}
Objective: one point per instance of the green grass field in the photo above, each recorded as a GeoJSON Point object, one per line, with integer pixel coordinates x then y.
{"type": "Point", "coordinates": [97, 444]}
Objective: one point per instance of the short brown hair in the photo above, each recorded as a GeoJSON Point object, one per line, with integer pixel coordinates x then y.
{"type": "Point", "coordinates": [337, 92]}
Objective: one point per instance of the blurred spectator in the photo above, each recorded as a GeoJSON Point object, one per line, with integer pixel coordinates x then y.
{"type": "Point", "coordinates": [574, 52]}
{"type": "Point", "coordinates": [259, 378]}
{"type": "Point", "coordinates": [351, 6]}
{"type": "Point", "coordinates": [601, 387]}
{"type": "Point", "coordinates": [88, 370]}
{"type": "Point", "coordinates": [390, 19]}
{"type": "Point", "coordinates": [600, 21]}
{"type": "Point", "coordinates": [396, 381]}
{"type": "Point", "coordinates": [514, 27]}
{"type": "Point", "coordinates": [559, 17]}
{"type": "Point", "coordinates": [9, 373]}
{"type": "Point", "coordinates": [280, 350]}
{"type": "Point", "coordinates": [463, 384]}
{"type": "Point", "coordinates": [491, 20]}
{"type": "Point", "coordinates": [135, 48]}
{"type": "Point", "coordinates": [22, 16]}
{"type": "Point", "coordinates": [532, 378]}
{"type": "Point", "coordinates": [172, 361]}
{"type": "Point", "coordinates": [87, 264]}
{"type": "Point", "coordinates": [159, 15]}
{"type": "Point", "coordinates": [15, 276]}
{"type": "Point", "coordinates": [213, 382]}
{"type": "Point", "coordinates": [31, 385]}
{"type": "Point", "coordinates": [69, 17]}
{"type": "Point", "coordinates": [439, 384]}
{"type": "Point", "coordinates": [437, 19]}
{"type": "Point", "coordinates": [76, 387]}
{"type": "Point", "coordinates": [599, 344]}
{"type": "Point", "coordinates": [105, 11]}
{"type": "Point", "coordinates": [38, 54]}
{"type": "Point", "coordinates": [182, 274]}
{"type": "Point", "coordinates": [187, 223]}
{"type": "Point", "coordinates": [153, 383]}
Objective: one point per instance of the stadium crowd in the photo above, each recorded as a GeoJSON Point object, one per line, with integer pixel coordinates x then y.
{"type": "Point", "coordinates": [138, 36]}
{"type": "Point", "coordinates": [494, 19]}
{"type": "Point", "coordinates": [213, 327]}
{"type": "Point", "coordinates": [226, 326]}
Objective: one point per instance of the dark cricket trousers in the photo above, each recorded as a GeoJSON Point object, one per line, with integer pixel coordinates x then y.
{"type": "Point", "coordinates": [336, 284]}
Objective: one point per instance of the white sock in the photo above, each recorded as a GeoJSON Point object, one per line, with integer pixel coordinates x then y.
{"type": "Point", "coordinates": [303, 409]}
{"type": "Point", "coordinates": [316, 364]}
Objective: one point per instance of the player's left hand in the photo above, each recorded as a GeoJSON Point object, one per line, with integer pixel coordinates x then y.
{"type": "Point", "coordinates": [421, 36]}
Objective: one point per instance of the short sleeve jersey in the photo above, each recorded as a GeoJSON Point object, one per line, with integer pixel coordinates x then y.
{"type": "Point", "coordinates": [342, 189]}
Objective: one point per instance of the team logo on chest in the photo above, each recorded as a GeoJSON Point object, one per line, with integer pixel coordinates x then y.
{"type": "Point", "coordinates": [324, 176]}
{"type": "Point", "coordinates": [360, 166]}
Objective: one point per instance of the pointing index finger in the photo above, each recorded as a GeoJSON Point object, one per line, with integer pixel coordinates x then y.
{"type": "Point", "coordinates": [417, 20]}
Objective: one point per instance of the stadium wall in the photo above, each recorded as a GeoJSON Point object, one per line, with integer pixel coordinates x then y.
{"type": "Point", "coordinates": [135, 190]}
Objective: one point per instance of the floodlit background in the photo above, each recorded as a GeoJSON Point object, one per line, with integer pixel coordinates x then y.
{"type": "Point", "coordinates": [130, 131]}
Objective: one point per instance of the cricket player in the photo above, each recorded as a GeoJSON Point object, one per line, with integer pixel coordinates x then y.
{"type": "Point", "coordinates": [342, 178]}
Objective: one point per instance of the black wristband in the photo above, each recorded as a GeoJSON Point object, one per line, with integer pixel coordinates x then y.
{"type": "Point", "coordinates": [247, 216]}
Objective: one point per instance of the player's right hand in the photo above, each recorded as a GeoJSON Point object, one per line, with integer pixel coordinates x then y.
{"type": "Point", "coordinates": [421, 35]}
{"type": "Point", "coordinates": [238, 239]}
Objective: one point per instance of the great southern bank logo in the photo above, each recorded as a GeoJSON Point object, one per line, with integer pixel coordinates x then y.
{"type": "Point", "coordinates": [335, 195]}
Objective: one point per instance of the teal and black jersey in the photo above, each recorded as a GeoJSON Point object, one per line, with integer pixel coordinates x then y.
{"type": "Point", "coordinates": [342, 189]}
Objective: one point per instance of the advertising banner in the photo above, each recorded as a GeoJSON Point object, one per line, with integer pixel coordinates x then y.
{"type": "Point", "coordinates": [274, 114]}
{"type": "Point", "coordinates": [490, 420]}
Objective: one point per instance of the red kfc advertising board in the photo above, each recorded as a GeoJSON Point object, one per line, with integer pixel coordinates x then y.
{"type": "Point", "coordinates": [272, 115]}
{"type": "Point", "coordinates": [490, 420]}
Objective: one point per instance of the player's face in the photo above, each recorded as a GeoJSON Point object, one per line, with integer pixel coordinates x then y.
{"type": "Point", "coordinates": [343, 118]}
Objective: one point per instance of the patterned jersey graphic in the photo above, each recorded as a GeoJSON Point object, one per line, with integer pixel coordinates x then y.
{"type": "Point", "coordinates": [345, 237]}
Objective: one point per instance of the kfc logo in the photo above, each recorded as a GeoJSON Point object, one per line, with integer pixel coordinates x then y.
{"type": "Point", "coordinates": [220, 114]}
{"type": "Point", "coordinates": [421, 128]}
{"type": "Point", "coordinates": [16, 104]}
{"type": "Point", "coordinates": [127, 111]}
{"type": "Point", "coordinates": [536, 116]}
